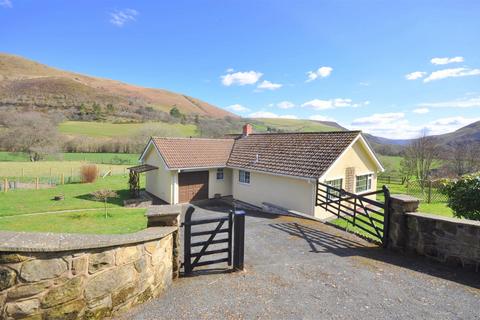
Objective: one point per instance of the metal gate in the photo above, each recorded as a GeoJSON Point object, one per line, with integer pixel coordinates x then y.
{"type": "Point", "coordinates": [369, 216]}
{"type": "Point", "coordinates": [223, 226]}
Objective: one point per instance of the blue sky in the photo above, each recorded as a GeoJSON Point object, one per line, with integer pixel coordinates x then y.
{"type": "Point", "coordinates": [391, 68]}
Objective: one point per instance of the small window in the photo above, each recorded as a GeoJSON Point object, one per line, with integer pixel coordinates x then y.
{"type": "Point", "coordinates": [244, 176]}
{"type": "Point", "coordinates": [220, 174]}
{"type": "Point", "coordinates": [363, 183]}
{"type": "Point", "coordinates": [331, 193]}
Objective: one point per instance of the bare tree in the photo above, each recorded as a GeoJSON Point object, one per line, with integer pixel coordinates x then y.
{"type": "Point", "coordinates": [465, 158]}
{"type": "Point", "coordinates": [104, 195]}
{"type": "Point", "coordinates": [30, 132]}
{"type": "Point", "coordinates": [421, 154]}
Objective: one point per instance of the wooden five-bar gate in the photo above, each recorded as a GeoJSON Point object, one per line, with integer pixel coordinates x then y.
{"type": "Point", "coordinates": [228, 232]}
{"type": "Point", "coordinates": [367, 212]}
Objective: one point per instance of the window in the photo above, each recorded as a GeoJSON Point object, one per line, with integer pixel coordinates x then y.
{"type": "Point", "coordinates": [244, 176]}
{"type": "Point", "coordinates": [334, 194]}
{"type": "Point", "coordinates": [220, 174]}
{"type": "Point", "coordinates": [363, 183]}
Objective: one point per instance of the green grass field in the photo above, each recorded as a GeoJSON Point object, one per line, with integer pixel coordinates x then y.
{"type": "Point", "coordinates": [53, 169]}
{"type": "Point", "coordinates": [112, 130]}
{"type": "Point", "coordinates": [292, 125]}
{"type": "Point", "coordinates": [77, 196]}
{"type": "Point", "coordinates": [108, 158]}
{"type": "Point", "coordinates": [119, 221]}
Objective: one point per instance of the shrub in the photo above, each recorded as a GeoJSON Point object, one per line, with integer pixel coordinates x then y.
{"type": "Point", "coordinates": [464, 196]}
{"type": "Point", "coordinates": [104, 195]}
{"type": "Point", "coordinates": [88, 173]}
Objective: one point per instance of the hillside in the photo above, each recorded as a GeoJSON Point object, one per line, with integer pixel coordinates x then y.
{"type": "Point", "coordinates": [294, 125]}
{"type": "Point", "coordinates": [467, 134]}
{"type": "Point", "coordinates": [25, 83]}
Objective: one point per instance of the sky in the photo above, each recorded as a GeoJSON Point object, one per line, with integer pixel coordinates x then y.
{"type": "Point", "coordinates": [391, 68]}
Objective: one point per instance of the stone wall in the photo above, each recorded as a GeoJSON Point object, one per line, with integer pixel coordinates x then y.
{"type": "Point", "coordinates": [84, 283]}
{"type": "Point", "coordinates": [452, 241]}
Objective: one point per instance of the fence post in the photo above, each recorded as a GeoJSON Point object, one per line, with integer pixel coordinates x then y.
{"type": "Point", "coordinates": [238, 239]}
{"type": "Point", "coordinates": [36, 183]}
{"type": "Point", "coordinates": [63, 179]}
{"type": "Point", "coordinates": [429, 195]}
{"type": "Point", "coordinates": [5, 184]}
{"type": "Point", "coordinates": [386, 219]}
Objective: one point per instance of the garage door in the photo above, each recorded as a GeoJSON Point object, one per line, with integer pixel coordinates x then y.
{"type": "Point", "coordinates": [192, 186]}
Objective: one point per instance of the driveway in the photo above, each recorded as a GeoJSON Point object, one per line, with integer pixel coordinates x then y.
{"type": "Point", "coordinates": [302, 269]}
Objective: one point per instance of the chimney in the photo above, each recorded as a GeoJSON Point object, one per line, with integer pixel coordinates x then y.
{"type": "Point", "coordinates": [247, 129]}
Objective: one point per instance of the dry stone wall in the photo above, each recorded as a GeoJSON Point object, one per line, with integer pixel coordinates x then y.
{"type": "Point", "coordinates": [84, 284]}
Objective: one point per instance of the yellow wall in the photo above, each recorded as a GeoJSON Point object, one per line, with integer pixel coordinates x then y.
{"type": "Point", "coordinates": [224, 187]}
{"type": "Point", "coordinates": [290, 193]}
{"type": "Point", "coordinates": [160, 181]}
{"type": "Point", "coordinates": [357, 157]}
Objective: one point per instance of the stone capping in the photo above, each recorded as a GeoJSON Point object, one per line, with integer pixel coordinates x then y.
{"type": "Point", "coordinates": [57, 242]}
{"type": "Point", "coordinates": [444, 219]}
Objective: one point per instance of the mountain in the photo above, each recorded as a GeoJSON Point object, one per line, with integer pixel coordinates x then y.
{"type": "Point", "coordinates": [464, 135]}
{"type": "Point", "coordinates": [25, 83]}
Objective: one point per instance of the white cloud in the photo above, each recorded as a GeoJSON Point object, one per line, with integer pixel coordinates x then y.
{"type": "Point", "coordinates": [459, 103]}
{"type": "Point", "coordinates": [364, 84]}
{"type": "Point", "coordinates": [238, 108]}
{"type": "Point", "coordinates": [267, 85]}
{"type": "Point", "coordinates": [451, 73]}
{"type": "Point", "coordinates": [241, 78]}
{"type": "Point", "coordinates": [6, 4]}
{"type": "Point", "coordinates": [421, 110]}
{"type": "Point", "coordinates": [318, 104]}
{"type": "Point", "coordinates": [321, 72]}
{"type": "Point", "coordinates": [285, 105]}
{"type": "Point", "coordinates": [229, 70]}
{"type": "Point", "coordinates": [442, 61]}
{"type": "Point", "coordinates": [318, 117]}
{"type": "Point", "coordinates": [267, 114]}
{"type": "Point", "coordinates": [415, 75]}
{"type": "Point", "coordinates": [120, 17]}
{"type": "Point", "coordinates": [396, 126]}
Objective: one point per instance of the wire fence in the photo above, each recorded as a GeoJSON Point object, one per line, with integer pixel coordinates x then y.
{"type": "Point", "coordinates": [426, 190]}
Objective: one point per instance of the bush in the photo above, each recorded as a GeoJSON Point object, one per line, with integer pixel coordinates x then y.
{"type": "Point", "coordinates": [464, 196]}
{"type": "Point", "coordinates": [88, 173]}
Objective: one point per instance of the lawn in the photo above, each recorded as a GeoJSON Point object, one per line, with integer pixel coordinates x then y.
{"type": "Point", "coordinates": [119, 221]}
{"type": "Point", "coordinates": [108, 158]}
{"type": "Point", "coordinates": [52, 168]}
{"type": "Point", "coordinates": [77, 196]}
{"type": "Point", "coordinates": [112, 130]}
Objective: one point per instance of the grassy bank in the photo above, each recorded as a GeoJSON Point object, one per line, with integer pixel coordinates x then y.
{"type": "Point", "coordinates": [119, 221]}
{"type": "Point", "coordinates": [52, 168]}
{"type": "Point", "coordinates": [77, 196]}
{"type": "Point", "coordinates": [105, 158]}
{"type": "Point", "coordinates": [113, 130]}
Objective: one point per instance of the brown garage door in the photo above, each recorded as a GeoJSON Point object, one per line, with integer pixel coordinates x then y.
{"type": "Point", "coordinates": [192, 186]}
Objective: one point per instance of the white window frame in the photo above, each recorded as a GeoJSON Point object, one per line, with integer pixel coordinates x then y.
{"type": "Point", "coordinates": [369, 181]}
{"type": "Point", "coordinates": [331, 194]}
{"type": "Point", "coordinates": [222, 172]}
{"type": "Point", "coordinates": [244, 174]}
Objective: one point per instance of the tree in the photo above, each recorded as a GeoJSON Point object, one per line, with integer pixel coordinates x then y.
{"type": "Point", "coordinates": [104, 195]}
{"type": "Point", "coordinates": [174, 112]}
{"type": "Point", "coordinates": [30, 132]}
{"type": "Point", "coordinates": [463, 196]}
{"type": "Point", "coordinates": [420, 154]}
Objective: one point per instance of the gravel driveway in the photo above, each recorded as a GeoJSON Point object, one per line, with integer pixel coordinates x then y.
{"type": "Point", "coordinates": [301, 269]}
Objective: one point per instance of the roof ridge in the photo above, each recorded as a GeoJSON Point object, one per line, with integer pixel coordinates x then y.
{"type": "Point", "coordinates": [190, 138]}
{"type": "Point", "coordinates": [310, 132]}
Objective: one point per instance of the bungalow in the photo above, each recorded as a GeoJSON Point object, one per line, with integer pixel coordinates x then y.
{"type": "Point", "coordinates": [279, 169]}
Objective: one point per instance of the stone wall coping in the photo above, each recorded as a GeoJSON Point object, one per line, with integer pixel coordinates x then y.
{"type": "Point", "coordinates": [164, 210]}
{"type": "Point", "coordinates": [57, 242]}
{"type": "Point", "coordinates": [444, 219]}
{"type": "Point", "coordinates": [404, 198]}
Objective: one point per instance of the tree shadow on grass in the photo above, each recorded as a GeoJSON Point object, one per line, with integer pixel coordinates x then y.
{"type": "Point", "coordinates": [321, 241]}
{"type": "Point", "coordinates": [123, 194]}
